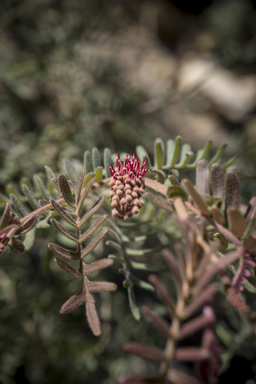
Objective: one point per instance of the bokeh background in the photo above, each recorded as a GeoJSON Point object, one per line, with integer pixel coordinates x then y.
{"type": "Point", "coordinates": [110, 73]}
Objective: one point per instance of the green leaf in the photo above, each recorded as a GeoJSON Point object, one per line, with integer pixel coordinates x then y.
{"type": "Point", "coordinates": [65, 190]}
{"type": "Point", "coordinates": [201, 154]}
{"type": "Point", "coordinates": [32, 201]}
{"type": "Point", "coordinates": [143, 266]}
{"type": "Point", "coordinates": [134, 308]}
{"type": "Point", "coordinates": [140, 252]}
{"type": "Point", "coordinates": [70, 170]}
{"type": "Point", "coordinates": [218, 154]}
{"type": "Point", "coordinates": [29, 239]}
{"type": "Point", "coordinates": [17, 206]}
{"type": "Point", "coordinates": [231, 161]}
{"type": "Point", "coordinates": [173, 152]}
{"type": "Point", "coordinates": [11, 189]}
{"type": "Point", "coordinates": [141, 152]}
{"type": "Point", "coordinates": [173, 180]}
{"type": "Point", "coordinates": [140, 283]}
{"type": "Point", "coordinates": [159, 175]}
{"type": "Point", "coordinates": [176, 191]}
{"type": "Point", "coordinates": [107, 162]}
{"type": "Point", "coordinates": [43, 224]}
{"type": "Point", "coordinates": [49, 172]}
{"type": "Point", "coordinates": [88, 178]}
{"type": "Point", "coordinates": [87, 162]}
{"type": "Point", "coordinates": [41, 187]}
{"type": "Point", "coordinates": [185, 156]}
{"type": "Point", "coordinates": [114, 234]}
{"type": "Point", "coordinates": [118, 247]}
{"type": "Point", "coordinates": [3, 200]}
{"type": "Point", "coordinates": [159, 153]}
{"type": "Point", "coordinates": [98, 174]}
{"type": "Point", "coordinates": [95, 158]}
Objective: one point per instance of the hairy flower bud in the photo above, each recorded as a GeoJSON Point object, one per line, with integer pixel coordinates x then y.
{"type": "Point", "coordinates": [127, 186]}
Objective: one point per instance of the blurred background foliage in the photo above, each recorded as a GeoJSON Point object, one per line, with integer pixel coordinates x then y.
{"type": "Point", "coordinates": [110, 73]}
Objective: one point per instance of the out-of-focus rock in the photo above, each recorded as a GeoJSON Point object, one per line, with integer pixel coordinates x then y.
{"type": "Point", "coordinates": [233, 96]}
{"type": "Point", "coordinates": [194, 128]}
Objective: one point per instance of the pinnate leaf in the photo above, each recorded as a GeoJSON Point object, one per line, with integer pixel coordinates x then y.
{"type": "Point", "coordinates": [97, 265]}
{"type": "Point", "coordinates": [64, 252]}
{"type": "Point", "coordinates": [27, 225]}
{"type": "Point", "coordinates": [64, 230]}
{"type": "Point", "coordinates": [79, 185]}
{"type": "Point", "coordinates": [92, 316]}
{"type": "Point", "coordinates": [101, 286]}
{"type": "Point", "coordinates": [70, 270]}
{"type": "Point", "coordinates": [63, 213]}
{"type": "Point", "coordinates": [88, 214]}
{"type": "Point", "coordinates": [92, 228]}
{"type": "Point", "coordinates": [84, 194]}
{"type": "Point", "coordinates": [74, 301]}
{"type": "Point", "coordinates": [94, 242]}
{"type": "Point", "coordinates": [65, 190]}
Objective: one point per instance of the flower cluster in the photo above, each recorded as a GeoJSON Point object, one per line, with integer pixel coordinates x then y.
{"type": "Point", "coordinates": [127, 186]}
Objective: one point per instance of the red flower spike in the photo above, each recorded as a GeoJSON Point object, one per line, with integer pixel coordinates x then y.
{"type": "Point", "coordinates": [129, 173]}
